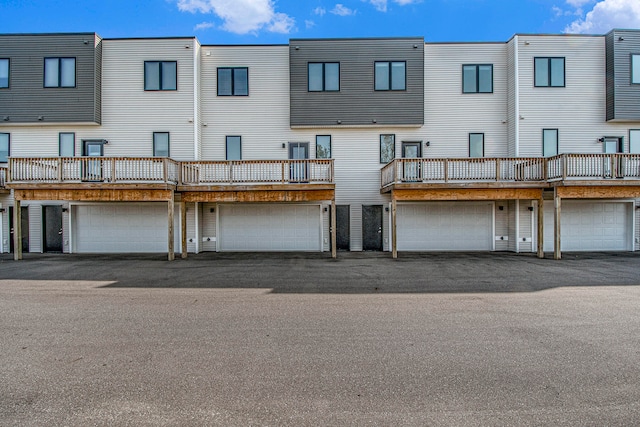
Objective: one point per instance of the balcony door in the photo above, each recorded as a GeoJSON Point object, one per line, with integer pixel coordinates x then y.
{"type": "Point", "coordinates": [612, 168]}
{"type": "Point", "coordinates": [412, 150]}
{"type": "Point", "coordinates": [298, 171]}
{"type": "Point", "coordinates": [93, 168]}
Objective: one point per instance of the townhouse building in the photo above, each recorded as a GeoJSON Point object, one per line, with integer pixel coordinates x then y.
{"type": "Point", "coordinates": [384, 144]}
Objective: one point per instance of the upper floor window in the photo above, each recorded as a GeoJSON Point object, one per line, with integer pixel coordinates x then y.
{"type": "Point", "coordinates": [549, 142]}
{"type": "Point", "coordinates": [160, 75]}
{"type": "Point", "coordinates": [233, 81]}
{"type": "Point", "coordinates": [549, 72]}
{"type": "Point", "coordinates": [477, 78]}
{"type": "Point", "coordinates": [60, 72]}
{"type": "Point", "coordinates": [635, 70]}
{"type": "Point", "coordinates": [387, 148]}
{"type": "Point", "coordinates": [161, 144]}
{"type": "Point", "coordinates": [324, 77]}
{"type": "Point", "coordinates": [476, 145]}
{"type": "Point", "coordinates": [67, 144]}
{"type": "Point", "coordinates": [234, 148]}
{"type": "Point", "coordinates": [390, 75]}
{"type": "Point", "coordinates": [323, 146]}
{"type": "Point", "coordinates": [4, 73]}
{"type": "Point", "coordinates": [4, 147]}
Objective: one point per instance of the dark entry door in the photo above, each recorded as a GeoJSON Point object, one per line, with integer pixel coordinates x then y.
{"type": "Point", "coordinates": [343, 228]}
{"type": "Point", "coordinates": [52, 224]}
{"type": "Point", "coordinates": [372, 228]}
{"type": "Point", "coordinates": [25, 228]}
{"type": "Point", "coordinates": [298, 170]}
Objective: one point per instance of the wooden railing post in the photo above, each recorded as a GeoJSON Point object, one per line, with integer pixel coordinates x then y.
{"type": "Point", "coordinates": [59, 169]}
{"type": "Point", "coordinates": [446, 170]}
{"type": "Point", "coordinates": [564, 167]}
{"type": "Point", "coordinates": [230, 171]}
{"type": "Point", "coordinates": [165, 169]}
{"type": "Point", "coordinates": [498, 170]}
{"type": "Point", "coordinates": [114, 177]}
{"type": "Point", "coordinates": [283, 168]}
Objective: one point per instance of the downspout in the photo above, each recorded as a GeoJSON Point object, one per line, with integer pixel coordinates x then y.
{"type": "Point", "coordinates": [517, 96]}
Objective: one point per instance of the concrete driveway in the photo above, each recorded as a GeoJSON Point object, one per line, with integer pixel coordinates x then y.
{"type": "Point", "coordinates": [301, 339]}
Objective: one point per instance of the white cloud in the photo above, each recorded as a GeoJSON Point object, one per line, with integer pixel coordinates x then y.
{"type": "Point", "coordinates": [342, 10]}
{"type": "Point", "coordinates": [578, 3]}
{"type": "Point", "coordinates": [319, 11]}
{"type": "Point", "coordinates": [309, 24]}
{"type": "Point", "coordinates": [242, 16]}
{"type": "Point", "coordinates": [381, 5]}
{"type": "Point", "coordinates": [203, 26]}
{"type": "Point", "coordinates": [606, 15]}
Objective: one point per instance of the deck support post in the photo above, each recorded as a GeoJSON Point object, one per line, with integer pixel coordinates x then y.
{"type": "Point", "coordinates": [17, 230]}
{"type": "Point", "coordinates": [540, 227]}
{"type": "Point", "coordinates": [557, 205]}
{"type": "Point", "coordinates": [170, 209]}
{"type": "Point", "coordinates": [394, 240]}
{"type": "Point", "coordinates": [183, 228]}
{"type": "Point", "coordinates": [334, 231]}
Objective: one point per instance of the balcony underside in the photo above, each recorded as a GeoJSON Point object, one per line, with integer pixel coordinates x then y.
{"type": "Point", "coordinates": [258, 193]}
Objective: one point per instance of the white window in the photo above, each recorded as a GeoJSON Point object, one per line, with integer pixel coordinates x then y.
{"type": "Point", "coordinates": [67, 144]}
{"type": "Point", "coordinates": [161, 144]}
{"type": "Point", "coordinates": [234, 148]}
{"type": "Point", "coordinates": [549, 142]}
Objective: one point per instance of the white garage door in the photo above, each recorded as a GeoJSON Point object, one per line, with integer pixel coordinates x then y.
{"type": "Point", "coordinates": [270, 228]}
{"type": "Point", "coordinates": [122, 228]}
{"type": "Point", "coordinates": [590, 226]}
{"type": "Point", "coordinates": [445, 226]}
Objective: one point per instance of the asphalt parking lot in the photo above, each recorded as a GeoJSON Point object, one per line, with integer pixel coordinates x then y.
{"type": "Point", "coordinates": [302, 339]}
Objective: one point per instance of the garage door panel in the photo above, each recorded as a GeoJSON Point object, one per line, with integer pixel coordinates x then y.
{"type": "Point", "coordinates": [270, 228]}
{"type": "Point", "coordinates": [590, 226]}
{"type": "Point", "coordinates": [444, 226]}
{"type": "Point", "coordinates": [119, 229]}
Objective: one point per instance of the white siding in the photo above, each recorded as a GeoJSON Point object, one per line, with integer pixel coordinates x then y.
{"type": "Point", "coordinates": [577, 110]}
{"type": "Point", "coordinates": [502, 226]}
{"type": "Point", "coordinates": [526, 227]}
{"type": "Point", "coordinates": [451, 115]}
{"type": "Point", "coordinates": [130, 114]}
{"type": "Point", "coordinates": [208, 221]}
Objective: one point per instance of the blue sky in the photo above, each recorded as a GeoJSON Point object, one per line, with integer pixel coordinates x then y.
{"type": "Point", "coordinates": [275, 21]}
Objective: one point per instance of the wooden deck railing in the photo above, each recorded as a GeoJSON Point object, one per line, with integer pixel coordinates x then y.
{"type": "Point", "coordinates": [461, 170]}
{"type": "Point", "coordinates": [534, 169]}
{"type": "Point", "coordinates": [3, 176]}
{"type": "Point", "coordinates": [93, 169]}
{"type": "Point", "coordinates": [165, 170]}
{"type": "Point", "coordinates": [257, 171]}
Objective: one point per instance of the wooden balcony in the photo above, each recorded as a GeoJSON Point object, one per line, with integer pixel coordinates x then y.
{"type": "Point", "coordinates": [564, 169]}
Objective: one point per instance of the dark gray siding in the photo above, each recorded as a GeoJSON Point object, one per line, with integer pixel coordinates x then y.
{"type": "Point", "coordinates": [623, 98]}
{"type": "Point", "coordinates": [26, 98]}
{"type": "Point", "coordinates": [357, 103]}
{"type": "Point", "coordinates": [98, 85]}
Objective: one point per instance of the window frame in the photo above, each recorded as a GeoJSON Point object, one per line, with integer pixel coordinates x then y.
{"type": "Point", "coordinates": [8, 147]}
{"type": "Point", "coordinates": [60, 134]}
{"type": "Point", "coordinates": [233, 80]}
{"type": "Point", "coordinates": [557, 142]}
{"type": "Point", "coordinates": [477, 72]}
{"type": "Point", "coordinates": [160, 86]}
{"type": "Point", "coordinates": [168, 143]}
{"type": "Point", "coordinates": [323, 76]}
{"type": "Point", "coordinates": [226, 146]}
{"type": "Point", "coordinates": [631, 66]}
{"type": "Point", "coordinates": [393, 147]}
{"type": "Point", "coordinates": [59, 85]}
{"type": "Point", "coordinates": [330, 151]}
{"type": "Point", "coordinates": [634, 148]}
{"type": "Point", "coordinates": [483, 145]}
{"type": "Point", "coordinates": [549, 71]}
{"type": "Point", "coordinates": [390, 82]}
{"type": "Point", "coordinates": [8, 86]}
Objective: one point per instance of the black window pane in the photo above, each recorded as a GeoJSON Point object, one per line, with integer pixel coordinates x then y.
{"type": "Point", "coordinates": [169, 76]}
{"type": "Point", "coordinates": [469, 79]}
{"type": "Point", "coordinates": [557, 71]}
{"type": "Point", "coordinates": [485, 78]}
{"type": "Point", "coordinates": [382, 76]}
{"type": "Point", "coordinates": [542, 72]}
{"type": "Point", "coordinates": [224, 81]}
{"type": "Point", "coordinates": [398, 76]}
{"type": "Point", "coordinates": [332, 76]}
{"type": "Point", "coordinates": [315, 77]}
{"type": "Point", "coordinates": [151, 76]}
{"type": "Point", "coordinates": [240, 82]}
